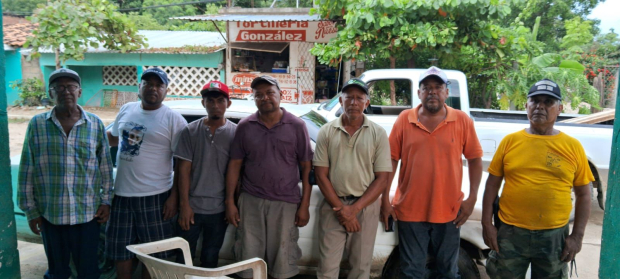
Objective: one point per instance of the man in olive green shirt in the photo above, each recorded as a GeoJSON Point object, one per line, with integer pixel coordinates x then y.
{"type": "Point", "coordinates": [352, 164]}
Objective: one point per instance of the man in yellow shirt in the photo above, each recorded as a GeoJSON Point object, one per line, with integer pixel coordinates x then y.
{"type": "Point", "coordinates": [540, 166]}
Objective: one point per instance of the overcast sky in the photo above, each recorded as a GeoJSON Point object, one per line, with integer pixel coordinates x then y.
{"type": "Point", "coordinates": [609, 14]}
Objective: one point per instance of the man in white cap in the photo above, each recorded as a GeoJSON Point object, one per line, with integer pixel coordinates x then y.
{"type": "Point", "coordinates": [430, 141]}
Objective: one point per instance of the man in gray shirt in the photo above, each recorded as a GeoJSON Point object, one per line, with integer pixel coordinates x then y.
{"type": "Point", "coordinates": [203, 153]}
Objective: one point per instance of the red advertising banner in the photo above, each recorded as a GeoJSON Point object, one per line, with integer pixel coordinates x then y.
{"type": "Point", "coordinates": [288, 84]}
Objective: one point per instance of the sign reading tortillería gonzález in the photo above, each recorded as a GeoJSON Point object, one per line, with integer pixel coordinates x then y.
{"type": "Point", "coordinates": [283, 31]}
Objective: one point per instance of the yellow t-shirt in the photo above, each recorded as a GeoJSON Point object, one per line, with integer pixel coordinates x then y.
{"type": "Point", "coordinates": [540, 172]}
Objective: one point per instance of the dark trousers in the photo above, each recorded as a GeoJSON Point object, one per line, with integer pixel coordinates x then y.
{"type": "Point", "coordinates": [417, 240]}
{"type": "Point", "coordinates": [213, 227]}
{"type": "Point", "coordinates": [65, 242]}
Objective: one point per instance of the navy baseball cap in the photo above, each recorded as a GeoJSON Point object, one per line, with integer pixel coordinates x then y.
{"type": "Point", "coordinates": [545, 87]}
{"type": "Point", "coordinates": [354, 82]}
{"type": "Point", "coordinates": [157, 72]}
{"type": "Point", "coordinates": [433, 72]}
{"type": "Point", "coordinates": [65, 73]}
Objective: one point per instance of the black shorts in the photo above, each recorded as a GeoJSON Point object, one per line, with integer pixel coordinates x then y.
{"type": "Point", "coordinates": [135, 220]}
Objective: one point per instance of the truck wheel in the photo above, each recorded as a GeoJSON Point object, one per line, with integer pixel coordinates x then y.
{"type": "Point", "coordinates": [391, 269]}
{"type": "Point", "coordinates": [467, 267]}
{"type": "Point", "coordinates": [600, 196]}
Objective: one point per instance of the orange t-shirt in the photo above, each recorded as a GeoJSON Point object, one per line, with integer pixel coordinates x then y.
{"type": "Point", "coordinates": [431, 170]}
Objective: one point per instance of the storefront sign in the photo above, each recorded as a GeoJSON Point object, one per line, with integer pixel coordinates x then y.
{"type": "Point", "coordinates": [288, 84]}
{"type": "Point", "coordinates": [283, 31]}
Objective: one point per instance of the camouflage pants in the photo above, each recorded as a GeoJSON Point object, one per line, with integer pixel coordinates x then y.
{"type": "Point", "coordinates": [518, 248]}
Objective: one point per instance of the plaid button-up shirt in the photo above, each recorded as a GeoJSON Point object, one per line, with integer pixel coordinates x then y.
{"type": "Point", "coordinates": [64, 178]}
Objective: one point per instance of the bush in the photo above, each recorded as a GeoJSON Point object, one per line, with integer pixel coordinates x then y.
{"type": "Point", "coordinates": [31, 91]}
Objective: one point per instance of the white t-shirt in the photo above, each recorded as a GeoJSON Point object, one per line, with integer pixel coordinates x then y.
{"type": "Point", "coordinates": [147, 139]}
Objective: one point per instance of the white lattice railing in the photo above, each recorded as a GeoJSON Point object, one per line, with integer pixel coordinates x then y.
{"type": "Point", "coordinates": [120, 75]}
{"type": "Point", "coordinates": [187, 81]}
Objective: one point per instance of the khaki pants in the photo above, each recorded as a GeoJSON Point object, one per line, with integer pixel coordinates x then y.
{"type": "Point", "coordinates": [267, 230]}
{"type": "Point", "coordinates": [334, 240]}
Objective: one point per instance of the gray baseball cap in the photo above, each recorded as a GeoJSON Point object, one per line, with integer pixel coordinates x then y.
{"type": "Point", "coordinates": [64, 73]}
{"type": "Point", "coordinates": [268, 79]}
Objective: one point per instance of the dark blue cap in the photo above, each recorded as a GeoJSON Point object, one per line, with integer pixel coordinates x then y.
{"type": "Point", "coordinates": [157, 72]}
{"type": "Point", "coordinates": [545, 87]}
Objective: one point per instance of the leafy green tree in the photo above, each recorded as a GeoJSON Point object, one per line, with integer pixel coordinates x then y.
{"type": "Point", "coordinates": [487, 69]}
{"type": "Point", "coordinates": [578, 34]}
{"type": "Point", "coordinates": [74, 25]}
{"type": "Point", "coordinates": [159, 18]}
{"type": "Point", "coordinates": [568, 74]}
{"type": "Point", "coordinates": [145, 22]}
{"type": "Point", "coordinates": [553, 14]}
{"type": "Point", "coordinates": [388, 29]}
{"type": "Point", "coordinates": [162, 15]}
{"type": "Point", "coordinates": [267, 3]}
{"type": "Point", "coordinates": [607, 45]}
{"type": "Point", "coordinates": [25, 7]}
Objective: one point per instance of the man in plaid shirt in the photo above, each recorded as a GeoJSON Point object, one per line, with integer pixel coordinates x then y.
{"type": "Point", "coordinates": [65, 179]}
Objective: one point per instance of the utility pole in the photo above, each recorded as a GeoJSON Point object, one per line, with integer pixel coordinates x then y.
{"type": "Point", "coordinates": [9, 257]}
{"type": "Point", "coordinates": [609, 266]}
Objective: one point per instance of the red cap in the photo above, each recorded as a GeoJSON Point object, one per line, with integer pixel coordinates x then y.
{"type": "Point", "coordinates": [215, 86]}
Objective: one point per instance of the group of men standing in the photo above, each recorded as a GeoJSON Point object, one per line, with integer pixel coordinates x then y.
{"type": "Point", "coordinates": [248, 174]}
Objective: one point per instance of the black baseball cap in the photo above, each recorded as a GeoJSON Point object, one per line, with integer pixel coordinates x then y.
{"type": "Point", "coordinates": [65, 73]}
{"type": "Point", "coordinates": [545, 87]}
{"type": "Point", "coordinates": [156, 72]}
{"type": "Point", "coordinates": [267, 79]}
{"type": "Point", "coordinates": [354, 82]}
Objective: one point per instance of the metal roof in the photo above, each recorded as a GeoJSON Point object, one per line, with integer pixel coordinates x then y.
{"type": "Point", "coordinates": [171, 42]}
{"type": "Point", "coordinates": [252, 17]}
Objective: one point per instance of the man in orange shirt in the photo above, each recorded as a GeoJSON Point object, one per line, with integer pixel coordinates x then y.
{"type": "Point", "coordinates": [430, 141]}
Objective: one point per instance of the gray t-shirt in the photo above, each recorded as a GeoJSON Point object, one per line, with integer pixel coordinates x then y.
{"type": "Point", "coordinates": [209, 155]}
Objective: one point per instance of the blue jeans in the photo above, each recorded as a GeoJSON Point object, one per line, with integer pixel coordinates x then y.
{"type": "Point", "coordinates": [417, 240]}
{"type": "Point", "coordinates": [213, 227]}
{"type": "Point", "coordinates": [63, 242]}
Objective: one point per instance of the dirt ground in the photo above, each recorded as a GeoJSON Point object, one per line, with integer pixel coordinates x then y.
{"type": "Point", "coordinates": [34, 262]}
{"type": "Point", "coordinates": [19, 117]}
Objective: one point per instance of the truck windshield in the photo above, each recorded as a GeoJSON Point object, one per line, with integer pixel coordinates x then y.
{"type": "Point", "coordinates": [332, 103]}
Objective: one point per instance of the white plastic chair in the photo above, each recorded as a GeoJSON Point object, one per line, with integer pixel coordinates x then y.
{"type": "Point", "coordinates": [162, 269]}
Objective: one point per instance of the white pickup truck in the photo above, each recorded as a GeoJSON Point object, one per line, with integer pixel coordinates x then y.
{"type": "Point", "coordinates": [596, 139]}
